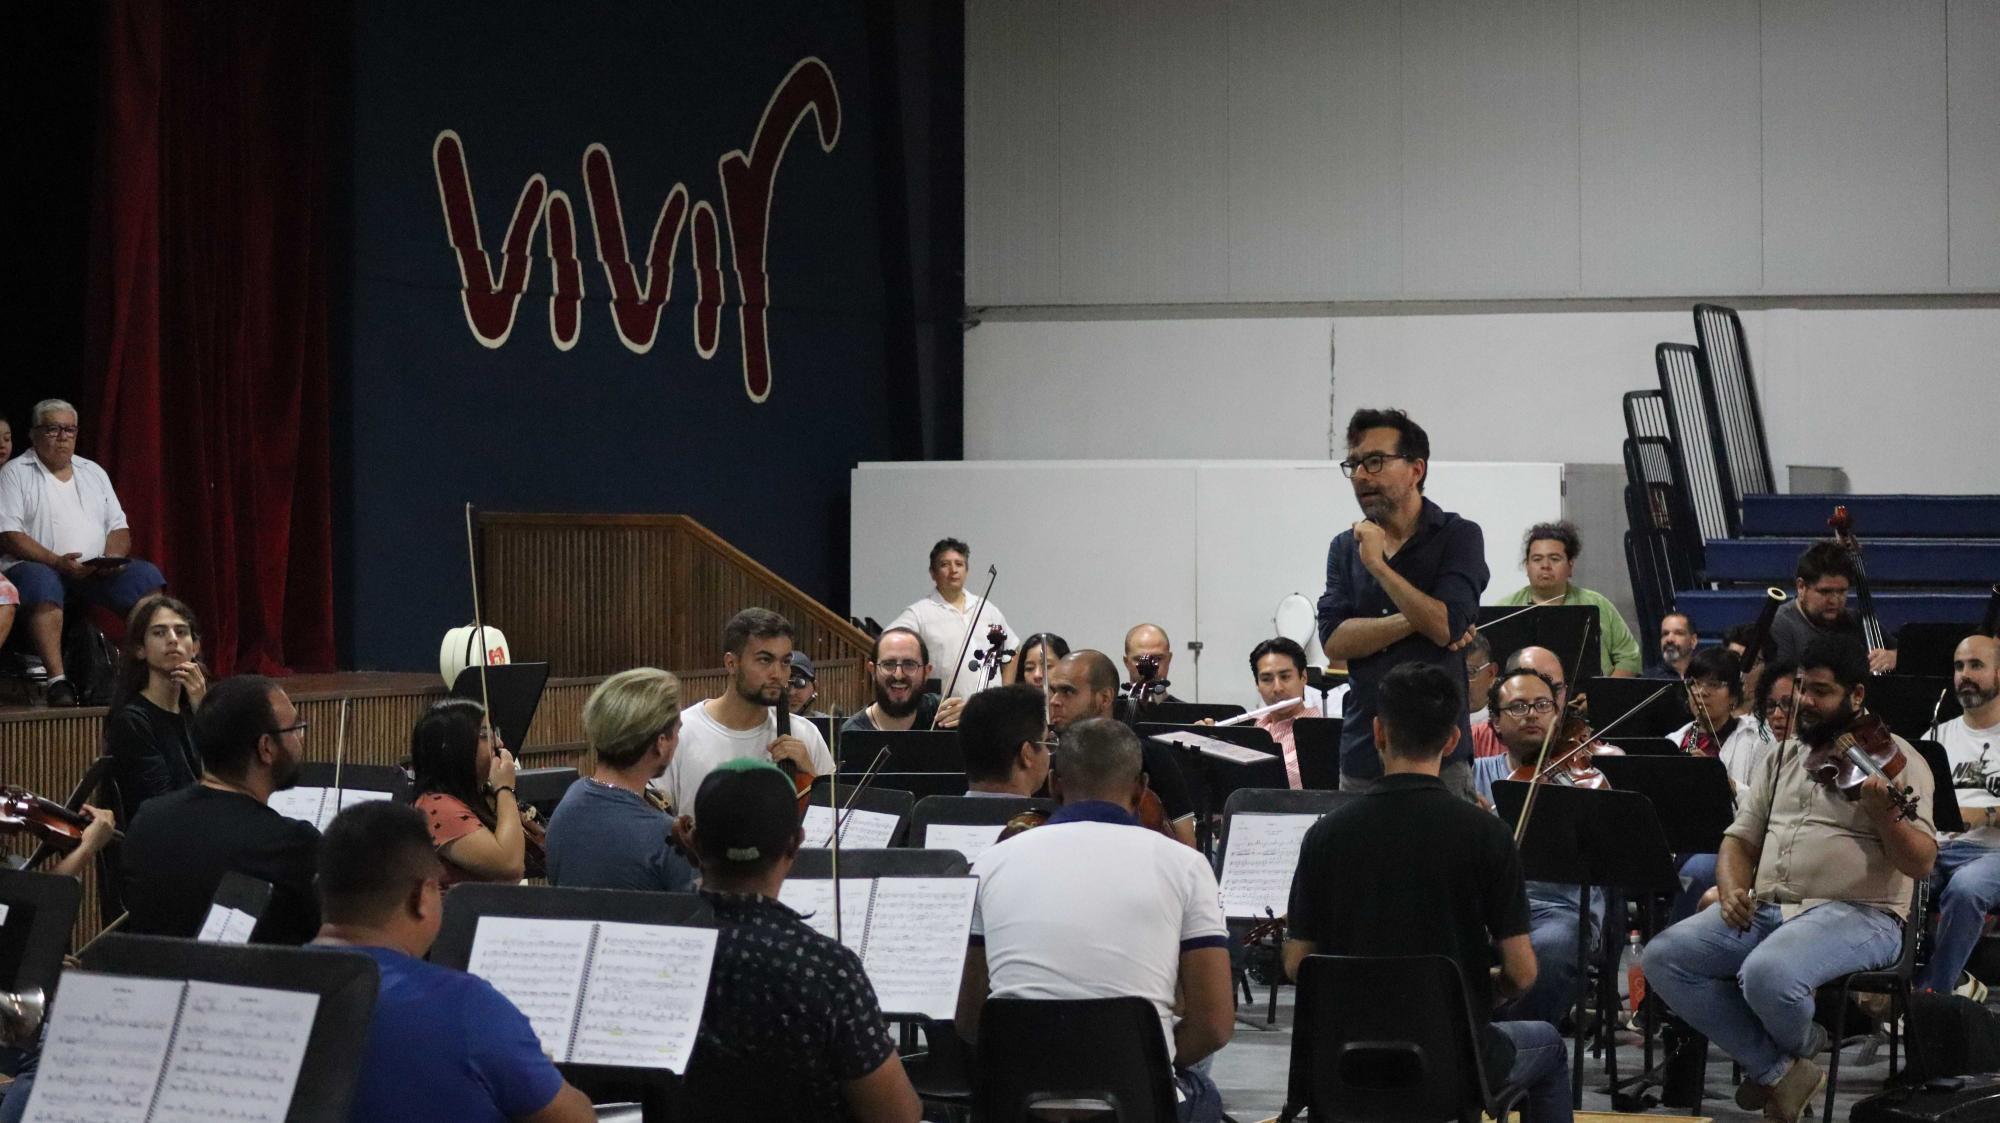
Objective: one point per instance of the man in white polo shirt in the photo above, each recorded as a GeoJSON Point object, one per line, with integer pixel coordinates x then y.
{"type": "Point", "coordinates": [63, 535]}
{"type": "Point", "coordinates": [944, 618]}
{"type": "Point", "coordinates": [757, 652]}
{"type": "Point", "coordinates": [1048, 897]}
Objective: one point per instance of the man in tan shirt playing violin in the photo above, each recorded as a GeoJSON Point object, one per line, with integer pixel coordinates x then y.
{"type": "Point", "coordinates": [1813, 885]}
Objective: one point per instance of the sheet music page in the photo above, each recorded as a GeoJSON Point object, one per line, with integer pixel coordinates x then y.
{"type": "Point", "coordinates": [1263, 854]}
{"type": "Point", "coordinates": [225, 925]}
{"type": "Point", "coordinates": [538, 965]}
{"type": "Point", "coordinates": [643, 1002]}
{"type": "Point", "coordinates": [812, 898]}
{"type": "Point", "coordinates": [237, 1055]}
{"type": "Point", "coordinates": [300, 803]}
{"type": "Point", "coordinates": [867, 830]}
{"type": "Point", "coordinates": [916, 943]}
{"type": "Point", "coordinates": [1215, 747]}
{"type": "Point", "coordinates": [107, 1041]}
{"type": "Point", "coordinates": [969, 839]}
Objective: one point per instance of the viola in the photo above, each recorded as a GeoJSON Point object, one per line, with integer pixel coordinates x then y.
{"type": "Point", "coordinates": [1569, 754]}
{"type": "Point", "coordinates": [24, 812]}
{"type": "Point", "coordinates": [1865, 750]}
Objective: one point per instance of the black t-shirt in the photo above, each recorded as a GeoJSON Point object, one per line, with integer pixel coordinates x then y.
{"type": "Point", "coordinates": [1411, 869]}
{"type": "Point", "coordinates": [151, 753]}
{"type": "Point", "coordinates": [860, 722]}
{"type": "Point", "coordinates": [178, 849]}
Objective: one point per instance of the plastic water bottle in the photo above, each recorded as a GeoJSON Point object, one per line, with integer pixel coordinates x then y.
{"type": "Point", "coordinates": [1635, 972]}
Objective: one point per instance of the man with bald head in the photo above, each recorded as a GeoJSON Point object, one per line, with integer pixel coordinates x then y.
{"type": "Point", "coordinates": [1084, 685]}
{"type": "Point", "coordinates": [1543, 662]}
{"type": "Point", "coordinates": [1967, 879]}
{"type": "Point", "coordinates": [1149, 642]}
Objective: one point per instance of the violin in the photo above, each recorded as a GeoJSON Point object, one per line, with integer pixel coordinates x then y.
{"type": "Point", "coordinates": [988, 662]}
{"type": "Point", "coordinates": [1569, 755]}
{"type": "Point", "coordinates": [24, 812]}
{"type": "Point", "coordinates": [1026, 821]}
{"type": "Point", "coordinates": [1866, 750]}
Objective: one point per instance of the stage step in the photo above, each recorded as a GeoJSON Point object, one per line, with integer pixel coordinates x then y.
{"type": "Point", "coordinates": [1875, 516]}
{"type": "Point", "coordinates": [1891, 561]}
{"type": "Point", "coordinates": [1714, 610]}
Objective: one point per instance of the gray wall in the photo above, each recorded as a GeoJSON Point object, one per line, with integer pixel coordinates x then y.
{"type": "Point", "coordinates": [1191, 151]}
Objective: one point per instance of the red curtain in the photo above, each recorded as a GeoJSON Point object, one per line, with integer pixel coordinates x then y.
{"type": "Point", "coordinates": [207, 380]}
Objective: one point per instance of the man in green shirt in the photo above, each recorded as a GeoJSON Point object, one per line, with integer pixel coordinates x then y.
{"type": "Point", "coordinates": [1549, 553]}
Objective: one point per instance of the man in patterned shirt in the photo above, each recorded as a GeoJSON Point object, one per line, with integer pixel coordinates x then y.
{"type": "Point", "coordinates": [791, 1029]}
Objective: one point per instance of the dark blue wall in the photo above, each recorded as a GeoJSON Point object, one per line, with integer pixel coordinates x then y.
{"type": "Point", "coordinates": [431, 418]}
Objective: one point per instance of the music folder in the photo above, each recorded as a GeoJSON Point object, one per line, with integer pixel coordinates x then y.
{"type": "Point", "coordinates": [513, 694]}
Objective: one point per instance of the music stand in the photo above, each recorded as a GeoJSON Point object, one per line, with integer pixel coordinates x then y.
{"type": "Point", "coordinates": [513, 693]}
{"type": "Point", "coordinates": [817, 864]}
{"type": "Point", "coordinates": [543, 788]}
{"type": "Point", "coordinates": [1926, 649]}
{"type": "Point", "coordinates": [1210, 778]}
{"type": "Point", "coordinates": [1265, 801]}
{"type": "Point", "coordinates": [1611, 699]}
{"type": "Point", "coordinates": [1906, 702]}
{"type": "Point", "coordinates": [1593, 839]}
{"type": "Point", "coordinates": [237, 892]}
{"type": "Point", "coordinates": [1645, 746]}
{"type": "Point", "coordinates": [1691, 795]}
{"type": "Point", "coordinates": [345, 981]}
{"type": "Point", "coordinates": [1569, 630]}
{"type": "Point", "coordinates": [970, 811]}
{"type": "Point", "coordinates": [465, 905]}
{"type": "Point", "coordinates": [1316, 741]}
{"type": "Point", "coordinates": [880, 800]}
{"type": "Point", "coordinates": [37, 911]}
{"type": "Point", "coordinates": [358, 778]}
{"type": "Point", "coordinates": [1188, 713]}
{"type": "Point", "coordinates": [1944, 797]}
{"type": "Point", "coordinates": [921, 761]}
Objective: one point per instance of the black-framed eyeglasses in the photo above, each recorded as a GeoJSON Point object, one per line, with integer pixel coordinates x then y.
{"type": "Point", "coordinates": [1371, 463]}
{"type": "Point", "coordinates": [900, 666]}
{"type": "Point", "coordinates": [59, 430]}
{"type": "Point", "coordinates": [296, 727]}
{"type": "Point", "coordinates": [1540, 706]}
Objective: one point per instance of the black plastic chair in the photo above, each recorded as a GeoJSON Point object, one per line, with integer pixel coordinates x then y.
{"type": "Point", "coordinates": [1894, 980]}
{"type": "Point", "coordinates": [1103, 1054]}
{"type": "Point", "coordinates": [1380, 1039]}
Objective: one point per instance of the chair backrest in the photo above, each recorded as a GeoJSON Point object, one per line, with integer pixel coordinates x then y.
{"type": "Point", "coordinates": [1043, 1051]}
{"type": "Point", "coordinates": [1696, 437]}
{"type": "Point", "coordinates": [1645, 414]}
{"type": "Point", "coordinates": [1656, 495]}
{"type": "Point", "coordinates": [881, 863]}
{"type": "Point", "coordinates": [1725, 356]}
{"type": "Point", "coordinates": [969, 810]}
{"type": "Point", "coordinates": [1384, 1038]}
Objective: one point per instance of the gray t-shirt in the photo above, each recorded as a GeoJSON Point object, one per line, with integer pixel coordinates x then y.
{"type": "Point", "coordinates": [603, 837]}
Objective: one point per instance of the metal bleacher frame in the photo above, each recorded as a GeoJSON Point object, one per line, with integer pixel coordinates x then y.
{"type": "Point", "coordinates": [1743, 455]}
{"type": "Point", "coordinates": [1696, 436]}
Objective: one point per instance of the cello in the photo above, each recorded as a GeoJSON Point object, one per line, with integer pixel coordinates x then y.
{"type": "Point", "coordinates": [1842, 525]}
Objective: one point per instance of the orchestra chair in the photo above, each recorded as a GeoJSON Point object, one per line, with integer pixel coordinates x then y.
{"type": "Point", "coordinates": [1385, 1039]}
{"type": "Point", "coordinates": [1894, 980]}
{"type": "Point", "coordinates": [1082, 1054]}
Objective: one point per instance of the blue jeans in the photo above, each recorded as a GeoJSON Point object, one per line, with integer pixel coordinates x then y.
{"type": "Point", "coordinates": [1752, 992]}
{"type": "Point", "coordinates": [117, 591]}
{"type": "Point", "coordinates": [1541, 1065]}
{"type": "Point", "coordinates": [1967, 885]}
{"type": "Point", "coordinates": [1552, 932]}
{"type": "Point", "coordinates": [1201, 1102]}
{"type": "Point", "coordinates": [1697, 877]}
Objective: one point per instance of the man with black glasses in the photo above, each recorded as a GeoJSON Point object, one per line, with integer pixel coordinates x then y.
{"type": "Point", "coordinates": [898, 669]}
{"type": "Point", "coordinates": [1402, 586]}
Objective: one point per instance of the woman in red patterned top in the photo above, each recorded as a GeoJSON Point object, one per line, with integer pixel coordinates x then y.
{"type": "Point", "coordinates": [465, 788]}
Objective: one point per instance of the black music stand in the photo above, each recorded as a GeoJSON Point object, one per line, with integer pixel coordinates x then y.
{"type": "Point", "coordinates": [1569, 630]}
{"type": "Point", "coordinates": [345, 981]}
{"type": "Point", "coordinates": [1316, 740]}
{"type": "Point", "coordinates": [358, 778]}
{"type": "Point", "coordinates": [514, 693]}
{"type": "Point", "coordinates": [1593, 839]}
{"type": "Point", "coordinates": [1188, 713]}
{"type": "Point", "coordinates": [543, 788]}
{"type": "Point", "coordinates": [466, 904]}
{"type": "Point", "coordinates": [970, 811]}
{"type": "Point", "coordinates": [1644, 746]}
{"type": "Point", "coordinates": [248, 895]}
{"type": "Point", "coordinates": [1266, 801]}
{"type": "Point", "coordinates": [1210, 778]}
{"type": "Point", "coordinates": [882, 801]}
{"type": "Point", "coordinates": [1691, 795]}
{"type": "Point", "coordinates": [1906, 702]}
{"type": "Point", "coordinates": [920, 761]}
{"type": "Point", "coordinates": [40, 909]}
{"type": "Point", "coordinates": [1612, 699]}
{"type": "Point", "coordinates": [816, 864]}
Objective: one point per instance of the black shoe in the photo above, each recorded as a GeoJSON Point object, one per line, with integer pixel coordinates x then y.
{"type": "Point", "coordinates": [62, 692]}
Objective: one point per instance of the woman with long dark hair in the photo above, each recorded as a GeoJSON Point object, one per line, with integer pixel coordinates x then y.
{"type": "Point", "coordinates": [159, 685]}
{"type": "Point", "coordinates": [465, 788]}
{"type": "Point", "coordinates": [1037, 653]}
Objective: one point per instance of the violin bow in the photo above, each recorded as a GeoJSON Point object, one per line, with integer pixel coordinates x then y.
{"type": "Point", "coordinates": [339, 754]}
{"type": "Point", "coordinates": [478, 622]}
{"type": "Point", "coordinates": [1541, 758]}
{"type": "Point", "coordinates": [992, 575]}
{"type": "Point", "coordinates": [833, 812]}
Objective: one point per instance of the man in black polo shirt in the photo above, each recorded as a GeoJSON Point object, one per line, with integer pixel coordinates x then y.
{"type": "Point", "coordinates": [1402, 585]}
{"type": "Point", "coordinates": [1364, 887]}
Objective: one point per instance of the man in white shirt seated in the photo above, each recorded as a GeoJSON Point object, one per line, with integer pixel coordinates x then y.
{"type": "Point", "coordinates": [1048, 897]}
{"type": "Point", "coordinates": [1967, 878]}
{"type": "Point", "coordinates": [757, 652]}
{"type": "Point", "coordinates": [1715, 694]}
{"type": "Point", "coordinates": [63, 536]}
{"type": "Point", "coordinates": [945, 617]}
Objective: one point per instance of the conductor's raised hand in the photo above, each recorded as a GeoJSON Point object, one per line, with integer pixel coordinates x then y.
{"type": "Point", "coordinates": [1371, 541]}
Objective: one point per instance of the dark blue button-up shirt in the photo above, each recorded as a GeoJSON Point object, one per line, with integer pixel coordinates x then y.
{"type": "Point", "coordinates": [1445, 559]}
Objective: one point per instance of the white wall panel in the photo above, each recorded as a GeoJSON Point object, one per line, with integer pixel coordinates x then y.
{"type": "Point", "coordinates": [1490, 148]}
{"type": "Point", "coordinates": [1672, 135]}
{"type": "Point", "coordinates": [1012, 176]}
{"type": "Point", "coordinates": [1854, 146]}
{"type": "Point", "coordinates": [1145, 153]}
{"type": "Point", "coordinates": [1974, 74]}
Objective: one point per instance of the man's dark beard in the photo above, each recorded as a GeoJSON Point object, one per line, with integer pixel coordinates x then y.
{"type": "Point", "coordinates": [1816, 732]}
{"type": "Point", "coordinates": [892, 708]}
{"type": "Point", "coordinates": [285, 777]}
{"type": "Point", "coordinates": [756, 697]}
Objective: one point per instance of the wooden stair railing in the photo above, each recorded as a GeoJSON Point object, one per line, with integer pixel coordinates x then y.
{"type": "Point", "coordinates": [595, 594]}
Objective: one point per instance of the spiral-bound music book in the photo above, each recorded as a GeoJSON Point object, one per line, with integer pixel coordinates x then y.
{"type": "Point", "coordinates": [601, 992]}
{"type": "Point", "coordinates": [126, 1049]}
{"type": "Point", "coordinates": [316, 805]}
{"type": "Point", "coordinates": [910, 933]}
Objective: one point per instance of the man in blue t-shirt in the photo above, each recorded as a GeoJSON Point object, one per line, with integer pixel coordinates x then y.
{"type": "Point", "coordinates": [443, 1044]}
{"type": "Point", "coordinates": [608, 833]}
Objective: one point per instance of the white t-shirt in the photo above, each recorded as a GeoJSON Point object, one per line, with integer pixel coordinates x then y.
{"type": "Point", "coordinates": [706, 743]}
{"type": "Point", "coordinates": [1094, 910]}
{"type": "Point", "coordinates": [1975, 772]}
{"type": "Point", "coordinates": [72, 531]}
{"type": "Point", "coordinates": [1741, 750]}
{"type": "Point", "coordinates": [943, 629]}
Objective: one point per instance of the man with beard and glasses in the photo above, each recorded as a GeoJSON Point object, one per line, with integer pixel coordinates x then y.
{"type": "Point", "coordinates": [1402, 586]}
{"type": "Point", "coordinates": [1812, 886]}
{"type": "Point", "coordinates": [1678, 639]}
{"type": "Point", "coordinates": [898, 668]}
{"type": "Point", "coordinates": [757, 653]}
{"type": "Point", "coordinates": [182, 843]}
{"type": "Point", "coordinates": [1967, 881]}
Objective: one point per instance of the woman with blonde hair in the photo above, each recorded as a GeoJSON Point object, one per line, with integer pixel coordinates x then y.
{"type": "Point", "coordinates": [608, 833]}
